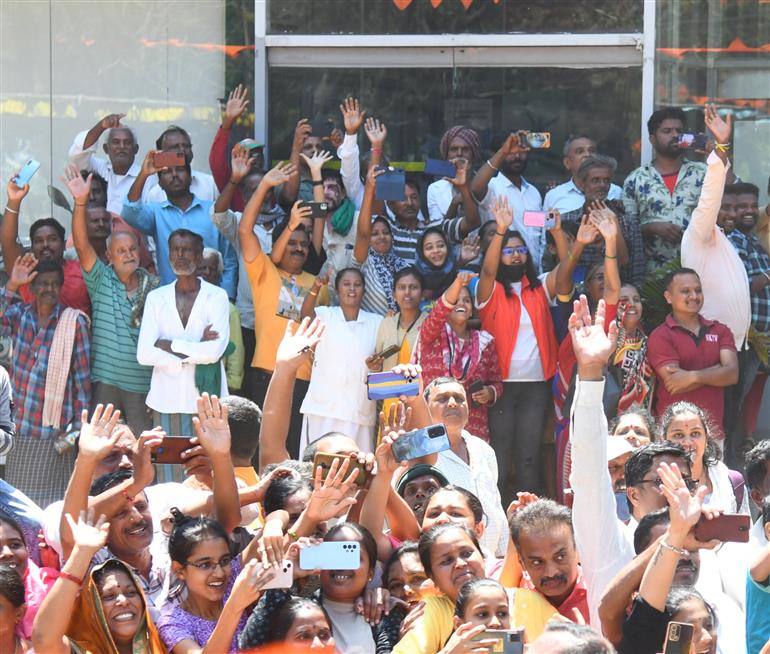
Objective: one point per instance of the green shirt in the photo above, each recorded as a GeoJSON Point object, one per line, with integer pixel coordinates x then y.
{"type": "Point", "coordinates": [114, 339]}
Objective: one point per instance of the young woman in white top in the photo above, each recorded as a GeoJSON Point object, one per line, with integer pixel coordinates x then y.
{"type": "Point", "coordinates": [337, 399]}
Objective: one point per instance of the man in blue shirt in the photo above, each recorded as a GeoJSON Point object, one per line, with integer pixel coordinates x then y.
{"type": "Point", "coordinates": [182, 210]}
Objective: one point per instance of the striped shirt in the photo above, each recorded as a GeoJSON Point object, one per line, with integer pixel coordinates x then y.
{"type": "Point", "coordinates": [114, 339]}
{"type": "Point", "coordinates": [405, 239]}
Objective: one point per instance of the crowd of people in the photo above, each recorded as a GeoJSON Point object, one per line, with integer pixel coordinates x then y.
{"type": "Point", "coordinates": [200, 457]}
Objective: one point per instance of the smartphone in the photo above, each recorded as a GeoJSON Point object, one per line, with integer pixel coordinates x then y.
{"type": "Point", "coordinates": [391, 185]}
{"type": "Point", "coordinates": [335, 555]}
{"type": "Point", "coordinates": [284, 577]}
{"type": "Point", "coordinates": [386, 385]}
{"type": "Point", "coordinates": [440, 168]}
{"type": "Point", "coordinates": [728, 527]}
{"type": "Point", "coordinates": [318, 209]}
{"type": "Point", "coordinates": [322, 128]}
{"type": "Point", "coordinates": [389, 351]}
{"type": "Point", "coordinates": [170, 450]}
{"type": "Point", "coordinates": [476, 386]}
{"type": "Point", "coordinates": [507, 642]}
{"type": "Point", "coordinates": [168, 159]}
{"type": "Point", "coordinates": [694, 141]}
{"type": "Point", "coordinates": [26, 173]}
{"type": "Point", "coordinates": [538, 140]}
{"type": "Point", "coordinates": [678, 638]}
{"type": "Point", "coordinates": [544, 219]}
{"type": "Point", "coordinates": [421, 442]}
{"type": "Point", "coordinates": [325, 462]}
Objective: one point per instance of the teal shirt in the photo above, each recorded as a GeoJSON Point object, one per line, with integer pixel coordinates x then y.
{"type": "Point", "coordinates": [113, 340]}
{"type": "Point", "coordinates": [757, 612]}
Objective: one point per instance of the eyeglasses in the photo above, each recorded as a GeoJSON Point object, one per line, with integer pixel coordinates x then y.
{"type": "Point", "coordinates": [519, 249]}
{"type": "Point", "coordinates": [208, 566]}
{"type": "Point", "coordinates": [691, 483]}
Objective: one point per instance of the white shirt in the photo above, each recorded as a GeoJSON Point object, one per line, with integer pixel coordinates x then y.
{"type": "Point", "coordinates": [440, 194]}
{"type": "Point", "coordinates": [707, 250]}
{"type": "Point", "coordinates": [526, 198]}
{"type": "Point", "coordinates": [338, 382]}
{"type": "Point", "coordinates": [568, 197]}
{"type": "Point", "coordinates": [479, 476]}
{"type": "Point", "coordinates": [172, 388]}
{"type": "Point", "coordinates": [350, 169]}
{"type": "Point", "coordinates": [202, 185]}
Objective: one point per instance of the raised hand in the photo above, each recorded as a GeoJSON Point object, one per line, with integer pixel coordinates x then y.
{"type": "Point", "coordinates": [211, 425]}
{"type": "Point", "coordinates": [383, 454]}
{"type": "Point", "coordinates": [685, 509]}
{"type": "Point", "coordinates": [240, 163]}
{"type": "Point", "coordinates": [249, 583]}
{"type": "Point", "coordinates": [463, 278]}
{"type": "Point", "coordinates": [88, 535]}
{"type": "Point", "coordinates": [279, 175]}
{"type": "Point", "coordinates": [111, 121]}
{"type": "Point", "coordinates": [333, 496]}
{"type": "Point", "coordinates": [587, 232]}
{"type": "Point", "coordinates": [144, 471]}
{"type": "Point", "coordinates": [148, 165]}
{"type": "Point", "coordinates": [470, 248]}
{"type": "Point", "coordinates": [503, 213]}
{"type": "Point", "coordinates": [237, 102]}
{"type": "Point", "coordinates": [301, 132]}
{"type": "Point", "coordinates": [396, 419]}
{"type": "Point", "coordinates": [605, 221]}
{"type": "Point", "coordinates": [299, 342]}
{"type": "Point", "coordinates": [16, 193]}
{"type": "Point", "coordinates": [79, 187]}
{"type": "Point", "coordinates": [462, 166]}
{"type": "Point", "coordinates": [372, 175]}
{"type": "Point", "coordinates": [522, 499]}
{"type": "Point", "coordinates": [593, 347]}
{"type": "Point", "coordinates": [298, 215]}
{"type": "Point", "coordinates": [23, 271]}
{"type": "Point", "coordinates": [336, 137]}
{"type": "Point", "coordinates": [272, 545]}
{"type": "Point", "coordinates": [98, 435]}
{"type": "Point", "coordinates": [461, 640]}
{"type": "Point", "coordinates": [352, 115]}
{"type": "Point", "coordinates": [317, 161]}
{"type": "Point", "coordinates": [721, 129]}
{"type": "Point", "coordinates": [376, 132]}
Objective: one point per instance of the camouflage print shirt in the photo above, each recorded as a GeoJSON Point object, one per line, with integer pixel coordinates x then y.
{"type": "Point", "coordinates": [647, 199]}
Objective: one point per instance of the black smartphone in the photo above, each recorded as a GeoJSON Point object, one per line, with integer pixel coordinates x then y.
{"type": "Point", "coordinates": [389, 351]}
{"type": "Point", "coordinates": [322, 128]}
{"type": "Point", "coordinates": [678, 638]}
{"type": "Point", "coordinates": [421, 442]}
{"type": "Point", "coordinates": [319, 209]}
{"type": "Point", "coordinates": [391, 185]}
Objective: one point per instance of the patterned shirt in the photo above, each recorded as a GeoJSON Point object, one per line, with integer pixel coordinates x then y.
{"type": "Point", "coordinates": [756, 261]}
{"type": "Point", "coordinates": [648, 200]}
{"type": "Point", "coordinates": [31, 348]}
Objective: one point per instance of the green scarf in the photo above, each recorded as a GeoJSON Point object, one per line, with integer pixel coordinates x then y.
{"type": "Point", "coordinates": [342, 220]}
{"type": "Point", "coordinates": [208, 376]}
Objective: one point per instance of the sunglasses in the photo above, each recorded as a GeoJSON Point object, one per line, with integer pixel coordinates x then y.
{"type": "Point", "coordinates": [519, 249]}
{"type": "Point", "coordinates": [691, 483]}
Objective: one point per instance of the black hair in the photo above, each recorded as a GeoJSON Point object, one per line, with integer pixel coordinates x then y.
{"type": "Point", "coordinates": [14, 524]}
{"type": "Point", "coordinates": [50, 267]}
{"type": "Point", "coordinates": [641, 460]}
{"type": "Point", "coordinates": [282, 619]}
{"type": "Point", "coordinates": [529, 267]}
{"type": "Point", "coordinates": [712, 453]}
{"type": "Point", "coordinates": [97, 179]}
{"type": "Point", "coordinates": [428, 232]}
{"type": "Point", "coordinates": [540, 515]}
{"type": "Point", "coordinates": [756, 464]}
{"type": "Point", "coordinates": [589, 641]}
{"type": "Point", "coordinates": [182, 232]}
{"type": "Point", "coordinates": [428, 538]}
{"type": "Point", "coordinates": [643, 413]}
{"type": "Point", "coordinates": [46, 222]}
{"type": "Point", "coordinates": [244, 419]}
{"type": "Point", "coordinates": [468, 589]}
{"type": "Point", "coordinates": [412, 181]}
{"type": "Point", "coordinates": [12, 586]}
{"type": "Point", "coordinates": [438, 381]}
{"type": "Point", "coordinates": [112, 565]}
{"type": "Point", "coordinates": [109, 480]}
{"type": "Point", "coordinates": [741, 188]}
{"type": "Point", "coordinates": [281, 227]}
{"type": "Point", "coordinates": [409, 271]}
{"type": "Point", "coordinates": [330, 173]}
{"type": "Point", "coordinates": [675, 273]}
{"type": "Point", "coordinates": [642, 534]}
{"type": "Point", "coordinates": [407, 547]}
{"type": "Point", "coordinates": [344, 271]}
{"type": "Point", "coordinates": [189, 531]}
{"type": "Point", "coordinates": [171, 129]}
{"type": "Point", "coordinates": [678, 595]}
{"type": "Point", "coordinates": [474, 503]}
{"type": "Point", "coordinates": [667, 113]}
{"type": "Point", "coordinates": [308, 454]}
{"type": "Point", "coordinates": [281, 489]}
{"type": "Point", "coordinates": [382, 219]}
{"type": "Point", "coordinates": [363, 536]}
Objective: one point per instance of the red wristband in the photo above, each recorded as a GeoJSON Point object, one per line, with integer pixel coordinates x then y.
{"type": "Point", "coordinates": [75, 580]}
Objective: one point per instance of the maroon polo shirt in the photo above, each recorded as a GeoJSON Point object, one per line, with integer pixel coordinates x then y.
{"type": "Point", "coordinates": [672, 343]}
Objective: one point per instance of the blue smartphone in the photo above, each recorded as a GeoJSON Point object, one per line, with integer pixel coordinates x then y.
{"type": "Point", "coordinates": [391, 185]}
{"type": "Point", "coordinates": [421, 442]}
{"type": "Point", "coordinates": [333, 555]}
{"type": "Point", "coordinates": [386, 385]}
{"type": "Point", "coordinates": [26, 173]}
{"type": "Point", "coordinates": [440, 168]}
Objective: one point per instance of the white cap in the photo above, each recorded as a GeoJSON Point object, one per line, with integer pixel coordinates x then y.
{"type": "Point", "coordinates": [617, 446]}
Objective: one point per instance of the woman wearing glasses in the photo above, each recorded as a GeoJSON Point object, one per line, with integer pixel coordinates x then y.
{"type": "Point", "coordinates": [515, 307]}
{"type": "Point", "coordinates": [219, 588]}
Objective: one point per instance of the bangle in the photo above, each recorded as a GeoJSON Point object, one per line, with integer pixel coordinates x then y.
{"type": "Point", "coordinates": [312, 293]}
{"type": "Point", "coordinates": [80, 205]}
{"type": "Point", "coordinates": [607, 256]}
{"type": "Point", "coordinates": [128, 497]}
{"type": "Point", "coordinates": [75, 580]}
{"type": "Point", "coordinates": [7, 208]}
{"type": "Point", "coordinates": [499, 234]}
{"type": "Point", "coordinates": [767, 275]}
{"type": "Point", "coordinates": [489, 163]}
{"type": "Point", "coordinates": [722, 147]}
{"type": "Point", "coordinates": [292, 534]}
{"type": "Point", "coordinates": [678, 550]}
{"type": "Point", "coordinates": [317, 182]}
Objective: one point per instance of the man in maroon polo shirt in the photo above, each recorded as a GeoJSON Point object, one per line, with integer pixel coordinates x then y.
{"type": "Point", "coordinates": [694, 358]}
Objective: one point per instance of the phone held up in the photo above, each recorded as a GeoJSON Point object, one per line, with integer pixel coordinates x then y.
{"type": "Point", "coordinates": [506, 642]}
{"type": "Point", "coordinates": [170, 450]}
{"type": "Point", "coordinates": [325, 462]}
{"type": "Point", "coordinates": [544, 219]}
{"type": "Point", "coordinates": [386, 385]}
{"type": "Point", "coordinates": [333, 555]}
{"type": "Point", "coordinates": [168, 159]}
{"type": "Point", "coordinates": [728, 528]}
{"type": "Point", "coordinates": [678, 638]}
{"type": "Point", "coordinates": [421, 442]}
{"type": "Point", "coordinates": [26, 173]}
{"type": "Point", "coordinates": [391, 184]}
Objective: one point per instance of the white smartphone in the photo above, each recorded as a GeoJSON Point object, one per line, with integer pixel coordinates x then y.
{"type": "Point", "coordinates": [284, 577]}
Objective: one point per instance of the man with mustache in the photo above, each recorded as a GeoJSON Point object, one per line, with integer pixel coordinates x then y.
{"type": "Point", "coordinates": [118, 290]}
{"type": "Point", "coordinates": [186, 324]}
{"type": "Point", "coordinates": [47, 241]}
{"type": "Point", "coordinates": [47, 338]}
{"type": "Point", "coordinates": [661, 195]}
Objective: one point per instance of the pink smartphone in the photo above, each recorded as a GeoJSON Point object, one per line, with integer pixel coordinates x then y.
{"type": "Point", "coordinates": [546, 219]}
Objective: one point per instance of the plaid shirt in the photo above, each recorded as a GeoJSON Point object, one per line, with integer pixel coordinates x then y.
{"type": "Point", "coordinates": [756, 261]}
{"type": "Point", "coordinates": [31, 348]}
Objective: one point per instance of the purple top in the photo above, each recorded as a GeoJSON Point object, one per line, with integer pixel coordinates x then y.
{"type": "Point", "coordinates": [175, 624]}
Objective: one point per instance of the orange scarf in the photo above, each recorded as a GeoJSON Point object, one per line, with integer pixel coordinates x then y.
{"type": "Point", "coordinates": [501, 317]}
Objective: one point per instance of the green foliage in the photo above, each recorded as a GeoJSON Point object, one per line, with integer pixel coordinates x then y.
{"type": "Point", "coordinates": [655, 306]}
